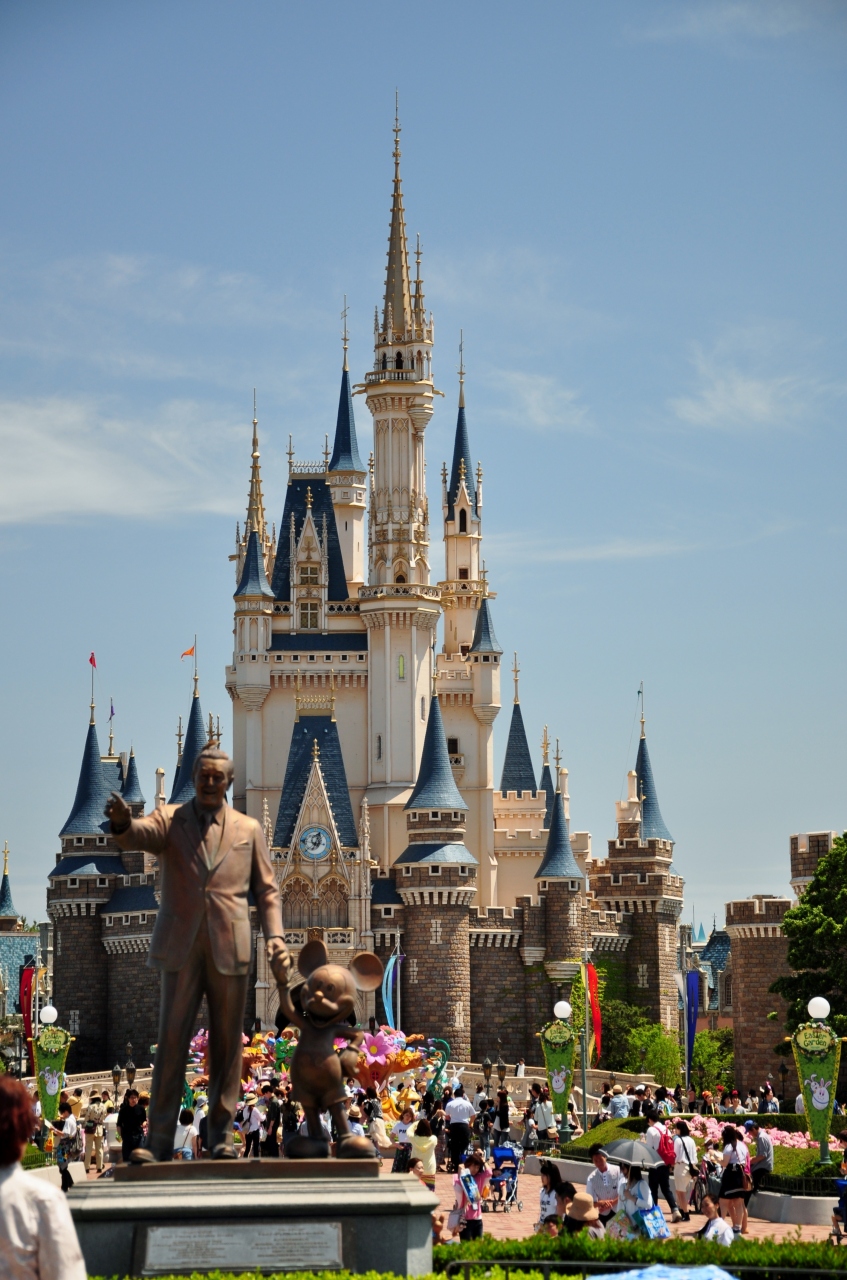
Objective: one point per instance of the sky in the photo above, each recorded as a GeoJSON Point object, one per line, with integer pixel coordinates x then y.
{"type": "Point", "coordinates": [634, 212]}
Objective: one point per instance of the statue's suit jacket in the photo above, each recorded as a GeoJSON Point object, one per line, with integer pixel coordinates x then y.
{"type": "Point", "coordinates": [191, 889]}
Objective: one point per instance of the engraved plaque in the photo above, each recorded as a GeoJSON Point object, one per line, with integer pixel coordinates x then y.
{"type": "Point", "coordinates": [243, 1246]}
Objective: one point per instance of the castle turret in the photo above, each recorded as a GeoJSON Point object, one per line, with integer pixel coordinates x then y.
{"type": "Point", "coordinates": [435, 878]}
{"type": "Point", "coordinates": [463, 590]}
{"type": "Point", "coordinates": [195, 740]}
{"type": "Point", "coordinates": [518, 774]}
{"type": "Point", "coordinates": [546, 784]}
{"type": "Point", "coordinates": [9, 918]}
{"type": "Point", "coordinates": [347, 481]}
{"type": "Point", "coordinates": [131, 790]}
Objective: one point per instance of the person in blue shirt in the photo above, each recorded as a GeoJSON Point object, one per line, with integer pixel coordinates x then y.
{"type": "Point", "coordinates": [619, 1108]}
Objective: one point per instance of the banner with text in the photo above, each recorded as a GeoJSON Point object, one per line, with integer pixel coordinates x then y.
{"type": "Point", "coordinates": [817, 1055]}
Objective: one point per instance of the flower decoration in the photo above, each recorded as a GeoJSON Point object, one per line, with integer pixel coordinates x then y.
{"type": "Point", "coordinates": [376, 1048]}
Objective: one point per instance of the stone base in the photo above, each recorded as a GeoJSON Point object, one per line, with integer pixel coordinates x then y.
{"type": "Point", "coordinates": [254, 1215]}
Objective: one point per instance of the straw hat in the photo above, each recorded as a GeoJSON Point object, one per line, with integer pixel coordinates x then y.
{"type": "Point", "coordinates": [581, 1208]}
{"type": "Point", "coordinates": [617, 1089]}
{"type": "Point", "coordinates": [354, 1113]}
{"type": "Point", "coordinates": [251, 1098]}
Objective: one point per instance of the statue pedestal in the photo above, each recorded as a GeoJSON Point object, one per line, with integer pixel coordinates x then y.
{"type": "Point", "coordinates": [253, 1215]}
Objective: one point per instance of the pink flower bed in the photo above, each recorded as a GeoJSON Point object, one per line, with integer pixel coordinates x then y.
{"type": "Point", "coordinates": [712, 1127]}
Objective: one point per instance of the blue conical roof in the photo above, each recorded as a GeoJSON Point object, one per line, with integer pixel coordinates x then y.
{"type": "Point", "coordinates": [195, 741]}
{"type": "Point", "coordinates": [484, 639]}
{"type": "Point", "coordinates": [345, 450]}
{"type": "Point", "coordinates": [254, 580]}
{"type": "Point", "coordinates": [546, 785]}
{"type": "Point", "coordinates": [87, 816]}
{"type": "Point", "coordinates": [7, 906]}
{"type": "Point", "coordinates": [436, 787]}
{"type": "Point", "coordinates": [518, 773]}
{"type": "Point", "coordinates": [461, 453]}
{"type": "Point", "coordinates": [652, 823]}
{"type": "Point", "coordinates": [131, 791]}
{"type": "Point", "coordinates": [558, 860]}
{"type": "Point", "coordinates": [307, 731]}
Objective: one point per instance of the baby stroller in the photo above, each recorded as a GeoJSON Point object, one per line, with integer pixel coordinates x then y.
{"type": "Point", "coordinates": [707, 1183]}
{"type": "Point", "coordinates": [508, 1162]}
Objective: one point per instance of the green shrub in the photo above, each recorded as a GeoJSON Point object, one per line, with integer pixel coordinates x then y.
{"type": "Point", "coordinates": [771, 1258]}
{"type": "Point", "coordinates": [32, 1158]}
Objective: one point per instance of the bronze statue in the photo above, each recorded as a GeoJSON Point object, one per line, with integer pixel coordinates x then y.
{"type": "Point", "coordinates": [322, 1008]}
{"type": "Point", "coordinates": [211, 857]}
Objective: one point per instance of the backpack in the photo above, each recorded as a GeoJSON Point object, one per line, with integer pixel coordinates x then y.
{"type": "Point", "coordinates": [665, 1148]}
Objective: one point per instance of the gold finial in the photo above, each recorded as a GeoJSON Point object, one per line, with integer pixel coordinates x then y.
{"type": "Point", "coordinates": [545, 747]}
{"type": "Point", "coordinates": [179, 742]}
{"type": "Point", "coordinates": [463, 471]}
{"type": "Point", "coordinates": [516, 672]}
{"type": "Point", "coordinates": [290, 451]}
{"type": "Point", "coordinates": [316, 751]}
{"type": "Point", "coordinates": [255, 421]}
{"type": "Point", "coordinates": [218, 729]}
{"type": "Point", "coordinates": [484, 575]}
{"type": "Point", "coordinates": [434, 673]}
{"type": "Point", "coordinates": [461, 369]}
{"type": "Point", "coordinates": [444, 472]}
{"type": "Point", "coordinates": [5, 857]}
{"type": "Point", "coordinates": [326, 452]}
{"type": "Point", "coordinates": [641, 696]}
{"type": "Point", "coordinates": [558, 758]}
{"type": "Point", "coordinates": [344, 339]}
{"type": "Point", "coordinates": [211, 727]}
{"type": "Point", "coordinates": [308, 497]}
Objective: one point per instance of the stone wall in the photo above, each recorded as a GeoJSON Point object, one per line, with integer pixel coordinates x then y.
{"type": "Point", "coordinates": [436, 979]}
{"type": "Point", "coordinates": [80, 989]}
{"type": "Point", "coordinates": [497, 990]}
{"type": "Point", "coordinates": [759, 957]}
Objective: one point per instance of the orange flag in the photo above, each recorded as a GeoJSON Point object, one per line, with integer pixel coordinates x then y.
{"type": "Point", "coordinates": [189, 653]}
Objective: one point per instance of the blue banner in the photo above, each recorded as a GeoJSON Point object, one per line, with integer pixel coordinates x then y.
{"type": "Point", "coordinates": [692, 1008]}
{"type": "Point", "coordinates": [387, 999]}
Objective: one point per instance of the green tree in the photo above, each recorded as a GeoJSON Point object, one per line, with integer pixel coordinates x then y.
{"type": "Point", "coordinates": [662, 1058]}
{"type": "Point", "coordinates": [713, 1051]}
{"type": "Point", "coordinates": [817, 942]}
{"type": "Point", "coordinates": [619, 1021]}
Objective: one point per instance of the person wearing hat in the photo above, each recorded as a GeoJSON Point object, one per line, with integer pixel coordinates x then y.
{"type": "Point", "coordinates": [470, 1205]}
{"type": "Point", "coordinates": [354, 1115]}
{"type": "Point", "coordinates": [251, 1126]}
{"type": "Point", "coordinates": [582, 1215]}
{"type": "Point", "coordinates": [92, 1118]}
{"type": "Point", "coordinates": [762, 1161]}
{"type": "Point", "coordinates": [619, 1110]}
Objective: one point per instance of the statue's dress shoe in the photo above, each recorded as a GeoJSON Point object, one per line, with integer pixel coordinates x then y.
{"type": "Point", "coordinates": [352, 1146]}
{"type": "Point", "coordinates": [302, 1147]}
{"type": "Point", "coordinates": [143, 1155]}
{"type": "Point", "coordinates": [223, 1151]}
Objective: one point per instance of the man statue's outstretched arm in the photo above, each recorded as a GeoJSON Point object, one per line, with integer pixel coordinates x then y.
{"type": "Point", "coordinates": [135, 833]}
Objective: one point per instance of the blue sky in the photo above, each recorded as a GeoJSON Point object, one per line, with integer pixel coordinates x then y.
{"type": "Point", "coordinates": [636, 214]}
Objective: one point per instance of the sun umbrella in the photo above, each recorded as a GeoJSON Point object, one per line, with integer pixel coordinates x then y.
{"type": "Point", "coordinates": [628, 1151]}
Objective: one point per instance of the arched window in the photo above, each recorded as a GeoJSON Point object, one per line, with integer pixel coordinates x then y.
{"type": "Point", "coordinates": [296, 905]}
{"type": "Point", "coordinates": [463, 521]}
{"type": "Point", "coordinates": [399, 361]}
{"type": "Point", "coordinates": [384, 361]}
{"type": "Point", "coordinates": [420, 363]}
{"type": "Point", "coordinates": [401, 577]}
{"type": "Point", "coordinates": [401, 667]}
{"type": "Point", "coordinates": [333, 904]}
{"type": "Point", "coordinates": [423, 708]}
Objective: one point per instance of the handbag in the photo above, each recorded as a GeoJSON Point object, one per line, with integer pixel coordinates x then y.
{"type": "Point", "coordinates": [400, 1164]}
{"type": "Point", "coordinates": [455, 1221]}
{"type": "Point", "coordinates": [619, 1227]}
{"type": "Point", "coordinates": [653, 1224]}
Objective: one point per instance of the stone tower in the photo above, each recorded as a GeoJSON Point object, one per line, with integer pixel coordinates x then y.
{"type": "Point", "coordinates": [435, 878]}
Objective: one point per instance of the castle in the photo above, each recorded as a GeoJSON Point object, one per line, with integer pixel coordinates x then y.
{"type": "Point", "coordinates": [367, 755]}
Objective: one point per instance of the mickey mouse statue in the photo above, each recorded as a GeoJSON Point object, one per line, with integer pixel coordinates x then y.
{"type": "Point", "coordinates": [322, 1009]}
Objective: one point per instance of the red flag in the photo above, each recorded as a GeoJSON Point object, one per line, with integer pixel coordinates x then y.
{"type": "Point", "coordinates": [27, 980]}
{"type": "Point", "coordinates": [594, 998]}
{"type": "Point", "coordinates": [92, 661]}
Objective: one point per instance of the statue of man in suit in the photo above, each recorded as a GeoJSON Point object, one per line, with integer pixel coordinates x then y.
{"type": "Point", "coordinates": [211, 857]}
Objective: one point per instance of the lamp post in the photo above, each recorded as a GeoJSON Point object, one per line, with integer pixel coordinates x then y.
{"type": "Point", "coordinates": [129, 1069]}
{"type": "Point", "coordinates": [502, 1069]}
{"type": "Point", "coordinates": [562, 1009]}
{"type": "Point", "coordinates": [612, 1078]}
{"type": "Point", "coordinates": [486, 1072]}
{"type": "Point", "coordinates": [818, 1008]}
{"type": "Point", "coordinates": [117, 1072]}
{"type": "Point", "coordinates": [783, 1075]}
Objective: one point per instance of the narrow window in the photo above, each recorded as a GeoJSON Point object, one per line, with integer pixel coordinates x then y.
{"type": "Point", "coordinates": [452, 746]}
{"type": "Point", "coordinates": [435, 932]}
{"type": "Point", "coordinates": [309, 575]}
{"type": "Point", "coordinates": [423, 708]}
{"type": "Point", "coordinates": [379, 746]}
{"type": "Point", "coordinates": [463, 573]}
{"type": "Point", "coordinates": [309, 617]}
{"type": "Point", "coordinates": [399, 361]}
{"type": "Point", "coordinates": [463, 521]}
{"type": "Point", "coordinates": [401, 667]}
{"type": "Point", "coordinates": [385, 361]}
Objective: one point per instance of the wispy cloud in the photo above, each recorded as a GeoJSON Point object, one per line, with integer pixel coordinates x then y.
{"type": "Point", "coordinates": [513, 548]}
{"type": "Point", "coordinates": [66, 458]}
{"type": "Point", "coordinates": [537, 401]}
{"type": "Point", "coordinates": [743, 385]}
{"type": "Point", "coordinates": [715, 21]}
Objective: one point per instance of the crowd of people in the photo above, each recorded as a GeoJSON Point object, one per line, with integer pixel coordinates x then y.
{"type": "Point", "coordinates": [617, 1103]}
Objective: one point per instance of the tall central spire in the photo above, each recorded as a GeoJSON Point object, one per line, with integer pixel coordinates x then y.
{"type": "Point", "coordinates": [255, 502]}
{"type": "Point", "coordinates": [397, 316]}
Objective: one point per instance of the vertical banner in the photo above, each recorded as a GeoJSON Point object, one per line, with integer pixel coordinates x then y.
{"type": "Point", "coordinates": [817, 1055]}
{"type": "Point", "coordinates": [557, 1043]}
{"type": "Point", "coordinates": [387, 1001]}
{"type": "Point", "coordinates": [27, 980]}
{"type": "Point", "coordinates": [50, 1049]}
{"type": "Point", "coordinates": [692, 1008]}
{"type": "Point", "coordinates": [594, 1000]}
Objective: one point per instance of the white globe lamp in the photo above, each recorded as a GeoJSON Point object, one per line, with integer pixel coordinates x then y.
{"type": "Point", "coordinates": [562, 1009]}
{"type": "Point", "coordinates": [818, 1008]}
{"type": "Point", "coordinates": [48, 1015]}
